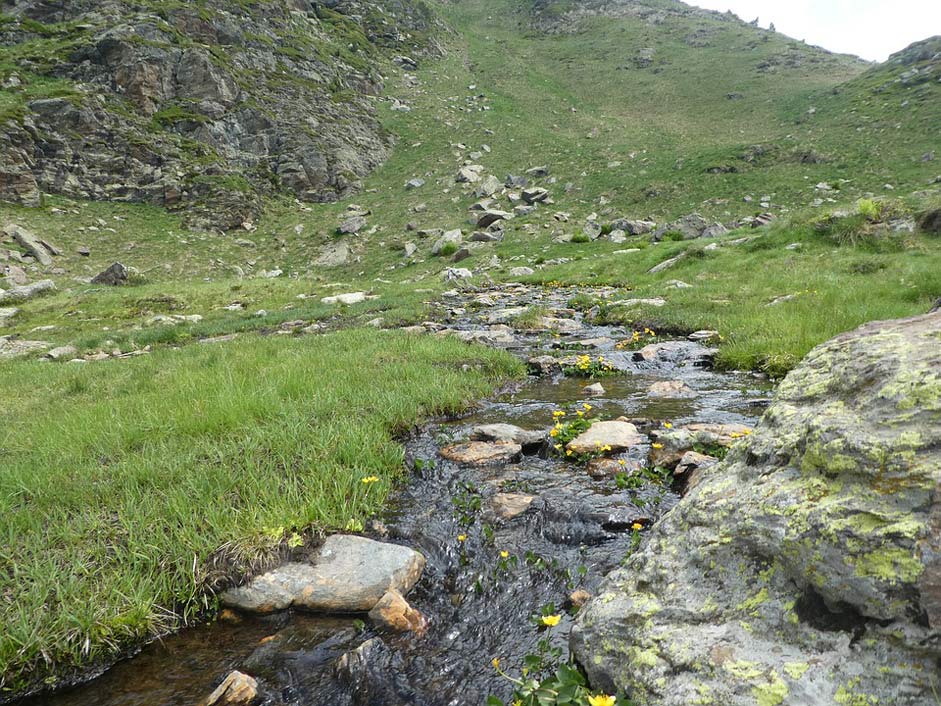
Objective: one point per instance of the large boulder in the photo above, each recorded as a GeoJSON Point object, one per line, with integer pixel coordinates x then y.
{"type": "Point", "coordinates": [350, 574]}
{"type": "Point", "coordinates": [806, 567]}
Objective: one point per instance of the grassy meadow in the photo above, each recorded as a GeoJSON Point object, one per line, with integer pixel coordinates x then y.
{"type": "Point", "coordinates": [131, 489]}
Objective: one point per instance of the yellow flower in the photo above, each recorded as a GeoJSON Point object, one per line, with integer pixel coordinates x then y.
{"type": "Point", "coordinates": [568, 452]}
{"type": "Point", "coordinates": [462, 538]}
{"type": "Point", "coordinates": [747, 432]}
{"type": "Point", "coordinates": [622, 462]}
{"type": "Point", "coordinates": [558, 447]}
{"type": "Point", "coordinates": [657, 446]}
{"type": "Point", "coordinates": [587, 407]}
{"type": "Point", "coordinates": [606, 447]}
{"type": "Point", "coordinates": [667, 425]}
{"type": "Point", "coordinates": [558, 413]}
{"type": "Point", "coordinates": [580, 413]}
{"type": "Point", "coordinates": [602, 700]}
{"type": "Point", "coordinates": [504, 554]}
{"type": "Point", "coordinates": [495, 662]}
{"type": "Point", "coordinates": [554, 433]}
{"type": "Point", "coordinates": [550, 621]}
{"type": "Point", "coordinates": [370, 479]}
{"type": "Point", "coordinates": [637, 526]}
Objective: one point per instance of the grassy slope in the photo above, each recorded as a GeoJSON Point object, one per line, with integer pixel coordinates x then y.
{"type": "Point", "coordinates": [129, 488]}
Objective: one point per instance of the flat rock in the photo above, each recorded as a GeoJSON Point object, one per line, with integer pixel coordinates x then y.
{"type": "Point", "coordinates": [27, 291]}
{"type": "Point", "coordinates": [11, 347]}
{"type": "Point", "coordinates": [482, 453]}
{"type": "Point", "coordinates": [29, 242]}
{"type": "Point", "coordinates": [491, 216]}
{"type": "Point", "coordinates": [353, 225]}
{"type": "Point", "coordinates": [670, 388]}
{"type": "Point", "coordinates": [620, 436]}
{"type": "Point", "coordinates": [349, 298]}
{"type": "Point", "coordinates": [350, 574]}
{"type": "Point", "coordinates": [507, 432]}
{"type": "Point", "coordinates": [334, 255]}
{"type": "Point", "coordinates": [62, 353]}
{"type": "Point", "coordinates": [521, 271]}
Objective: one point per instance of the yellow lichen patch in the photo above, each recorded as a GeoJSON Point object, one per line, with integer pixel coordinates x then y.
{"type": "Point", "coordinates": [771, 694]}
{"type": "Point", "coordinates": [892, 565]}
{"type": "Point", "coordinates": [795, 670]}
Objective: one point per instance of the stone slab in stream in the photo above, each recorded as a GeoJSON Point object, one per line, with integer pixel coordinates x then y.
{"type": "Point", "coordinates": [617, 435]}
{"type": "Point", "coordinates": [350, 574]}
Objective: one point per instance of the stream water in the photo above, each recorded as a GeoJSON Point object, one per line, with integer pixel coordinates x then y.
{"type": "Point", "coordinates": [478, 604]}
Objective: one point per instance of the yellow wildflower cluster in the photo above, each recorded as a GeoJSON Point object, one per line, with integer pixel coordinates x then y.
{"type": "Point", "coordinates": [739, 435]}
{"type": "Point", "coordinates": [636, 337]}
{"type": "Point", "coordinates": [369, 480]}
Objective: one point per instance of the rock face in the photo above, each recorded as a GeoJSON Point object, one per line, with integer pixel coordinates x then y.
{"type": "Point", "coordinates": [284, 105]}
{"type": "Point", "coordinates": [806, 567]}
{"type": "Point", "coordinates": [349, 575]}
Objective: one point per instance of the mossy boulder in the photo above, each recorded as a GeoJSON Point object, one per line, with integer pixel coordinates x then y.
{"type": "Point", "coordinates": [806, 567]}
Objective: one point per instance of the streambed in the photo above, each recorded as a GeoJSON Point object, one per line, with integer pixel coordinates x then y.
{"type": "Point", "coordinates": [479, 603]}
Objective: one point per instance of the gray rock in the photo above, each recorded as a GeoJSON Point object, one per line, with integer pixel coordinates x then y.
{"type": "Point", "coordinates": [544, 365]}
{"type": "Point", "coordinates": [414, 184]}
{"type": "Point", "coordinates": [349, 574]}
{"type": "Point", "coordinates": [507, 432]}
{"type": "Point", "coordinates": [482, 237]}
{"type": "Point", "coordinates": [535, 195]}
{"type": "Point", "coordinates": [7, 313]}
{"type": "Point", "coordinates": [714, 231]}
{"type": "Point", "coordinates": [592, 230]}
{"type": "Point", "coordinates": [347, 299]}
{"type": "Point", "coordinates": [521, 271]}
{"type": "Point", "coordinates": [506, 506]}
{"type": "Point", "coordinates": [29, 242]}
{"type": "Point", "coordinates": [633, 227]}
{"type": "Point", "coordinates": [27, 291]}
{"type": "Point", "coordinates": [461, 255]}
{"type": "Point", "coordinates": [595, 389]}
{"type": "Point", "coordinates": [800, 570]}
{"type": "Point", "coordinates": [690, 227]}
{"type": "Point", "coordinates": [11, 347]}
{"type": "Point", "coordinates": [670, 388]}
{"type": "Point", "coordinates": [456, 273]}
{"type": "Point", "coordinates": [491, 216]}
{"type": "Point", "coordinates": [666, 264]}
{"type": "Point", "coordinates": [352, 225]}
{"type": "Point", "coordinates": [537, 172]}
{"type": "Point", "coordinates": [488, 187]}
{"type": "Point", "coordinates": [114, 276]}
{"type": "Point", "coordinates": [62, 353]}
{"type": "Point", "coordinates": [452, 237]}
{"type": "Point", "coordinates": [334, 255]}
{"type": "Point", "coordinates": [469, 174]}
{"type": "Point", "coordinates": [409, 249]}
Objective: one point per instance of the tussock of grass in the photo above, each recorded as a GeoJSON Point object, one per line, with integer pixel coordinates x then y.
{"type": "Point", "coordinates": [130, 489]}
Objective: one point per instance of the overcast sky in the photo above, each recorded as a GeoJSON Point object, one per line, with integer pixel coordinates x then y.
{"type": "Point", "coordinates": [872, 29]}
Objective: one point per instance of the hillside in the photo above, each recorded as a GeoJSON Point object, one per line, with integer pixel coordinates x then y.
{"type": "Point", "coordinates": [248, 161]}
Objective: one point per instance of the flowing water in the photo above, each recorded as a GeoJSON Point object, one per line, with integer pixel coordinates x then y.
{"type": "Point", "coordinates": [479, 605]}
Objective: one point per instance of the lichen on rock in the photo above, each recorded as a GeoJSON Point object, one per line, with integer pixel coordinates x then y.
{"type": "Point", "coordinates": [806, 567]}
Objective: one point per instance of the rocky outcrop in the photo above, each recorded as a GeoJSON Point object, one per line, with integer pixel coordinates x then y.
{"type": "Point", "coordinates": [806, 567]}
{"type": "Point", "coordinates": [206, 107]}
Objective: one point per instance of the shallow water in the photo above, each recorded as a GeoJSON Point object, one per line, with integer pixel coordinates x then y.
{"type": "Point", "coordinates": [478, 606]}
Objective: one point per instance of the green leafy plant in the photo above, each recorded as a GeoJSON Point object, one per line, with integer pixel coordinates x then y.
{"type": "Point", "coordinates": [587, 367]}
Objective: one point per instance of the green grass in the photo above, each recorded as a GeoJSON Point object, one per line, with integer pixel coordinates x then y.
{"type": "Point", "coordinates": [136, 487]}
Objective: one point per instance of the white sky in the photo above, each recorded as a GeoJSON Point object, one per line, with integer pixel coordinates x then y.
{"type": "Point", "coordinates": [872, 29]}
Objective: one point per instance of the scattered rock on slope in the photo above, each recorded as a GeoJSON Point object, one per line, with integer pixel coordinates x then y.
{"type": "Point", "coordinates": [805, 568]}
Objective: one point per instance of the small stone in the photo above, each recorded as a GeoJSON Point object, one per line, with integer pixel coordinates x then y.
{"type": "Point", "coordinates": [509, 433]}
{"type": "Point", "coordinates": [235, 690]}
{"type": "Point", "coordinates": [521, 271]}
{"type": "Point", "coordinates": [544, 365]}
{"type": "Point", "coordinates": [579, 598]}
{"type": "Point", "coordinates": [595, 389]}
{"type": "Point", "coordinates": [414, 184]}
{"type": "Point", "coordinates": [506, 506]}
{"type": "Point", "coordinates": [491, 216]}
{"type": "Point", "coordinates": [62, 353]}
{"type": "Point", "coordinates": [704, 336]}
{"type": "Point", "coordinates": [394, 613]}
{"type": "Point", "coordinates": [456, 273]}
